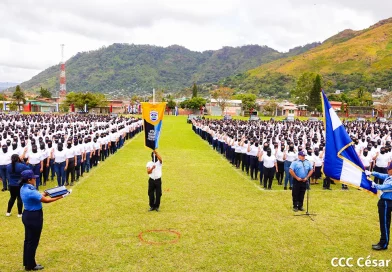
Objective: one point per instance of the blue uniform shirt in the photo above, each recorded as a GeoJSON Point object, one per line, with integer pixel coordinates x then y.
{"type": "Point", "coordinates": [15, 177]}
{"type": "Point", "coordinates": [386, 187]}
{"type": "Point", "coordinates": [31, 197]}
{"type": "Point", "coordinates": [301, 168]}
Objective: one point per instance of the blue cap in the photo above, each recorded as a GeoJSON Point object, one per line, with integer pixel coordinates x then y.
{"type": "Point", "coordinates": [301, 153]}
{"type": "Point", "coordinates": [28, 174]}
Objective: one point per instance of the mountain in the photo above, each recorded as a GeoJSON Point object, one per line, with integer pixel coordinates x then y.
{"type": "Point", "coordinates": [123, 69]}
{"type": "Point", "coordinates": [346, 61]}
{"type": "Point", "coordinates": [6, 85]}
{"type": "Point", "coordinates": [364, 51]}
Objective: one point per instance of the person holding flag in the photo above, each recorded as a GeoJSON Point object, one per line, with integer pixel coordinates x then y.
{"type": "Point", "coordinates": [152, 117]}
{"type": "Point", "coordinates": [384, 206]}
{"type": "Point", "coordinates": [154, 171]}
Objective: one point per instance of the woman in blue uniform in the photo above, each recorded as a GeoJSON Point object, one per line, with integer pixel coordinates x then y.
{"type": "Point", "coordinates": [32, 217]}
{"type": "Point", "coordinates": [14, 170]}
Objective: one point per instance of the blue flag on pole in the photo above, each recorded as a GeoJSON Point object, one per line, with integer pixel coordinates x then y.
{"type": "Point", "coordinates": [341, 161]}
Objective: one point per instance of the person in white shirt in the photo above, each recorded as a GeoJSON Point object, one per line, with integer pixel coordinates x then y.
{"type": "Point", "coordinates": [5, 159]}
{"type": "Point", "coordinates": [279, 154]}
{"type": "Point", "coordinates": [88, 152]}
{"type": "Point", "coordinates": [366, 159]}
{"type": "Point", "coordinates": [35, 163]}
{"type": "Point", "coordinates": [237, 149]}
{"type": "Point", "coordinates": [78, 153]}
{"type": "Point", "coordinates": [244, 147]}
{"type": "Point", "coordinates": [60, 163]}
{"type": "Point", "coordinates": [154, 171]}
{"type": "Point", "coordinates": [269, 168]}
{"type": "Point", "coordinates": [253, 150]}
{"type": "Point", "coordinates": [289, 156]}
{"type": "Point", "coordinates": [382, 160]}
{"type": "Point", "coordinates": [97, 150]}
{"type": "Point", "coordinates": [113, 142]}
{"type": "Point", "coordinates": [71, 157]}
{"type": "Point", "coordinates": [45, 163]}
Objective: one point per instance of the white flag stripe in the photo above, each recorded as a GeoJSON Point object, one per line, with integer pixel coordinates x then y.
{"type": "Point", "coordinates": [351, 174]}
{"type": "Point", "coordinates": [334, 119]}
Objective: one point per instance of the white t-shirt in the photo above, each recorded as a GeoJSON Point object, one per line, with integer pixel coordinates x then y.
{"type": "Point", "coordinates": [279, 155]}
{"type": "Point", "coordinates": [382, 160]}
{"type": "Point", "coordinates": [59, 156]}
{"type": "Point", "coordinates": [291, 156]}
{"type": "Point", "coordinates": [157, 171]}
{"type": "Point", "coordinates": [5, 158]}
{"type": "Point", "coordinates": [269, 161]}
{"type": "Point", "coordinates": [69, 152]}
{"type": "Point", "coordinates": [366, 160]}
{"type": "Point", "coordinates": [35, 158]}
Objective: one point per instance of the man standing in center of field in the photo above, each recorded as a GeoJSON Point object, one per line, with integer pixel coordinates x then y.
{"type": "Point", "coordinates": [301, 170]}
{"type": "Point", "coordinates": [154, 171]}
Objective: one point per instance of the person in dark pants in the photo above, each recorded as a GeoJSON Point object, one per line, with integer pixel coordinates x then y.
{"type": "Point", "coordinates": [14, 170]}
{"type": "Point", "coordinates": [32, 217]}
{"type": "Point", "coordinates": [301, 170]}
{"type": "Point", "coordinates": [5, 159]}
{"type": "Point", "coordinates": [269, 168]}
{"type": "Point", "coordinates": [154, 171]}
{"type": "Point", "coordinates": [384, 206]}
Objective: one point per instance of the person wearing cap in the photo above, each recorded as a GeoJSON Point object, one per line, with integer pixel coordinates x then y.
{"type": "Point", "coordinates": [154, 171]}
{"type": "Point", "coordinates": [384, 206]}
{"type": "Point", "coordinates": [32, 217]}
{"type": "Point", "coordinates": [301, 170]}
{"type": "Point", "coordinates": [14, 170]}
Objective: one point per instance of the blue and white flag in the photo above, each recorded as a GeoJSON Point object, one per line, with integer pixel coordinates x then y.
{"type": "Point", "coordinates": [341, 161]}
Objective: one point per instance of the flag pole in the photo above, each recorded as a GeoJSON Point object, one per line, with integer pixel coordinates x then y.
{"type": "Point", "coordinates": [153, 96]}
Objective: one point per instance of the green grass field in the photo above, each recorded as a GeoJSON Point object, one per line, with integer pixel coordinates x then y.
{"type": "Point", "coordinates": [225, 221]}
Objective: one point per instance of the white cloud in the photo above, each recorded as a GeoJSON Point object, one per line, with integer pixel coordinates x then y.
{"type": "Point", "coordinates": [31, 31]}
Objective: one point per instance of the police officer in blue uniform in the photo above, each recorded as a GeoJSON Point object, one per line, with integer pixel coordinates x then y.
{"type": "Point", "coordinates": [384, 206]}
{"type": "Point", "coordinates": [301, 170]}
{"type": "Point", "coordinates": [32, 217]}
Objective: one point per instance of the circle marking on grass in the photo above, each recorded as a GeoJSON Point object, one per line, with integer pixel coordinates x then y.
{"type": "Point", "coordinates": [167, 232]}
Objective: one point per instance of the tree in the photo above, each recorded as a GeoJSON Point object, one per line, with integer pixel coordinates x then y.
{"type": "Point", "coordinates": [13, 106]}
{"type": "Point", "coordinates": [3, 97]}
{"type": "Point", "coordinates": [301, 92]}
{"type": "Point", "coordinates": [194, 103]}
{"type": "Point", "coordinates": [171, 104]}
{"type": "Point", "coordinates": [159, 96]}
{"type": "Point", "coordinates": [91, 99]}
{"type": "Point", "coordinates": [385, 103]}
{"type": "Point", "coordinates": [64, 107]}
{"type": "Point", "coordinates": [19, 96]}
{"type": "Point", "coordinates": [194, 90]}
{"type": "Point", "coordinates": [248, 100]}
{"type": "Point", "coordinates": [45, 93]}
{"type": "Point", "coordinates": [222, 95]}
{"type": "Point", "coordinates": [270, 107]}
{"type": "Point", "coordinates": [314, 96]}
{"type": "Point", "coordinates": [361, 91]}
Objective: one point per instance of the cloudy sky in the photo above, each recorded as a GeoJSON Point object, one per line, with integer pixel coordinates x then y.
{"type": "Point", "coordinates": [31, 31]}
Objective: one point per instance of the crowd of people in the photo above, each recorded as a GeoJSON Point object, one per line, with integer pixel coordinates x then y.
{"type": "Point", "coordinates": [265, 150]}
{"type": "Point", "coordinates": [52, 146]}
